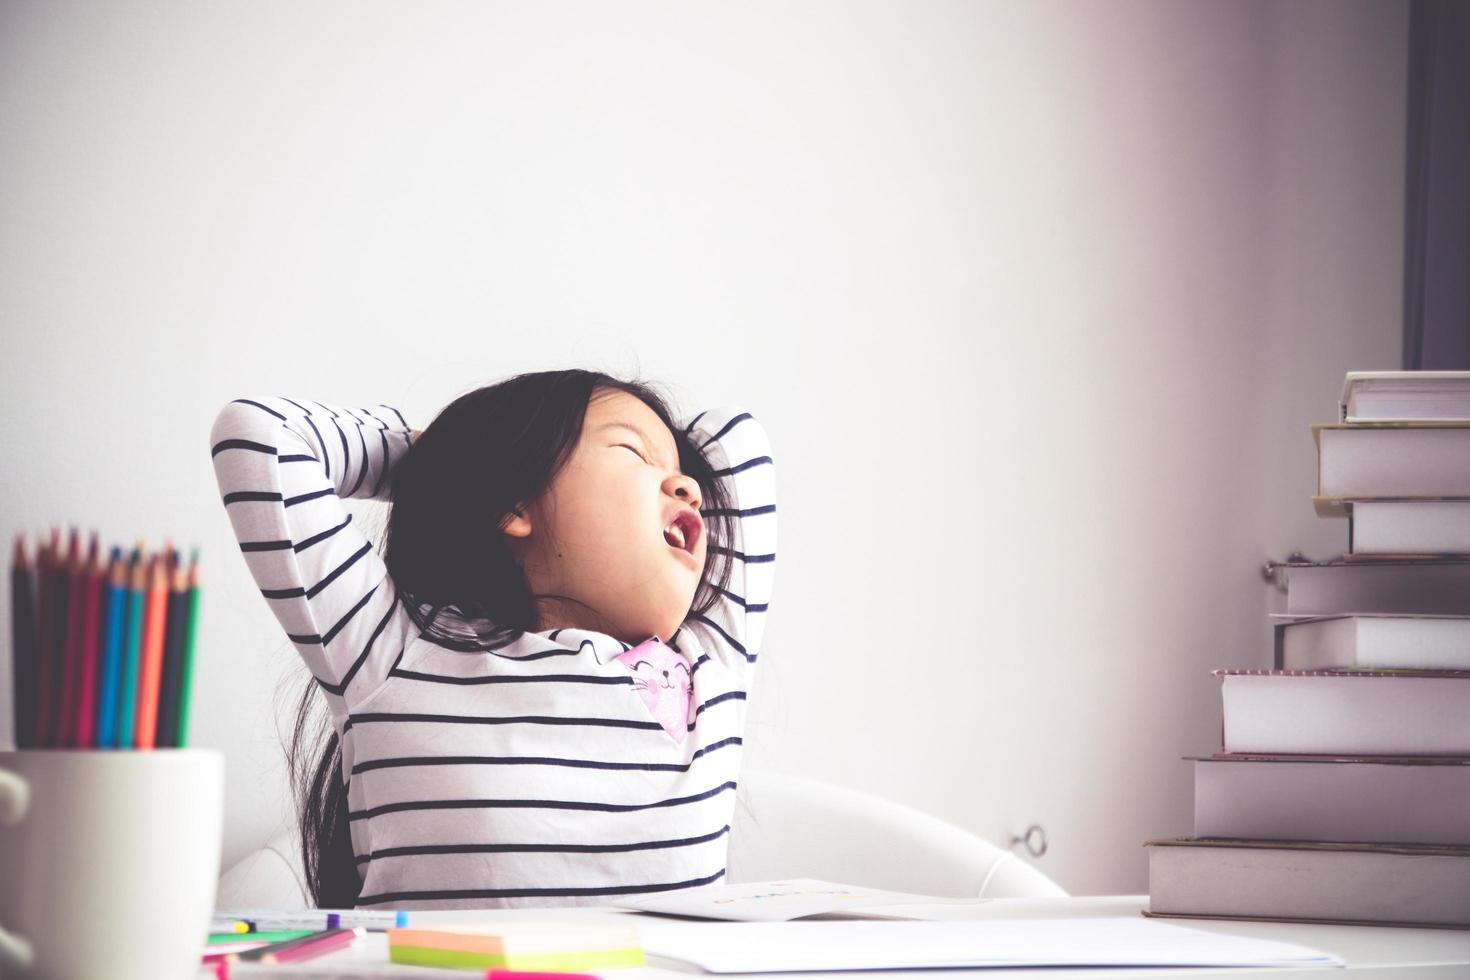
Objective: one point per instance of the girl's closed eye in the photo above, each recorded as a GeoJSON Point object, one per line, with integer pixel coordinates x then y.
{"type": "Point", "coordinates": [634, 450]}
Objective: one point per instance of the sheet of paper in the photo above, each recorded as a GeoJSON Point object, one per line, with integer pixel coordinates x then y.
{"type": "Point", "coordinates": [771, 947]}
{"type": "Point", "coordinates": [776, 901]}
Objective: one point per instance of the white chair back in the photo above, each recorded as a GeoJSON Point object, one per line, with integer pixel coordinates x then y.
{"type": "Point", "coordinates": [784, 827]}
{"type": "Point", "coordinates": [793, 827]}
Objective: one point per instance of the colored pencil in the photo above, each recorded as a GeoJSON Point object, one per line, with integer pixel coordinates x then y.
{"type": "Point", "coordinates": [102, 645]}
{"type": "Point", "coordinates": [241, 944]}
{"type": "Point", "coordinates": [186, 682]}
{"type": "Point", "coordinates": [71, 651]}
{"type": "Point", "coordinates": [173, 654]}
{"type": "Point", "coordinates": [45, 661]}
{"type": "Point", "coordinates": [86, 690]}
{"type": "Point", "coordinates": [127, 695]}
{"type": "Point", "coordinates": [312, 947]}
{"type": "Point", "coordinates": [60, 587]}
{"type": "Point", "coordinates": [261, 954]}
{"type": "Point", "coordinates": [150, 654]}
{"type": "Point", "coordinates": [117, 591]}
{"type": "Point", "coordinates": [24, 649]}
{"type": "Point", "coordinates": [305, 948]}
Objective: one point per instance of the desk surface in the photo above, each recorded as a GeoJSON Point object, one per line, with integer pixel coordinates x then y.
{"type": "Point", "coordinates": [1374, 951]}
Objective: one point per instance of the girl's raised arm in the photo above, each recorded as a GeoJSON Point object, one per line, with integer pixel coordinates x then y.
{"type": "Point", "coordinates": [283, 467]}
{"type": "Point", "coordinates": [736, 446]}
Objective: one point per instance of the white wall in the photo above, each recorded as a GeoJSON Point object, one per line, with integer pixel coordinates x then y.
{"type": "Point", "coordinates": [1037, 301]}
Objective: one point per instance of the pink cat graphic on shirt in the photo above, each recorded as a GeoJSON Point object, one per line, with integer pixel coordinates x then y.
{"type": "Point", "coordinates": [661, 677]}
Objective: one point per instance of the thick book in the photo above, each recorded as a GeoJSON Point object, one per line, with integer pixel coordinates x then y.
{"type": "Point", "coordinates": [1408, 527]}
{"type": "Point", "coordinates": [1400, 460]}
{"type": "Point", "coordinates": [1402, 713]}
{"type": "Point", "coordinates": [1429, 587]}
{"type": "Point", "coordinates": [1371, 799]}
{"type": "Point", "coordinates": [1314, 882]}
{"type": "Point", "coordinates": [1398, 396]}
{"type": "Point", "coordinates": [1373, 643]}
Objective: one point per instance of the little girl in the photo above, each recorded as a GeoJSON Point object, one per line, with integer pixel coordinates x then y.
{"type": "Point", "coordinates": [539, 688]}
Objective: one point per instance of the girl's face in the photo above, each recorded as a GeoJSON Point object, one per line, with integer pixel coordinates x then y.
{"type": "Point", "coordinates": [598, 534]}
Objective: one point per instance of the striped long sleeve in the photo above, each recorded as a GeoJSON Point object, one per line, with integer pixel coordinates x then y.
{"type": "Point", "coordinates": [737, 448]}
{"type": "Point", "coordinates": [284, 467]}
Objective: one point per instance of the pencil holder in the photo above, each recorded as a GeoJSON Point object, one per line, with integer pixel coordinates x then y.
{"type": "Point", "coordinates": [109, 862]}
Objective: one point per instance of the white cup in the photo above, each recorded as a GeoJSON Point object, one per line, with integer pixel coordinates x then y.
{"type": "Point", "coordinates": [108, 862]}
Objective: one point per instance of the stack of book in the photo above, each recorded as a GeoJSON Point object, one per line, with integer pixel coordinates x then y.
{"type": "Point", "coordinates": [1342, 793]}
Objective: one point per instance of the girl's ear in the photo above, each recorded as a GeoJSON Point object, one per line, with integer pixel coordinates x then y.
{"type": "Point", "coordinates": [516, 524]}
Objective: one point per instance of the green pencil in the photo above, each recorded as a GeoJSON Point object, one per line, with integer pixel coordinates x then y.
{"type": "Point", "coordinates": [186, 680]}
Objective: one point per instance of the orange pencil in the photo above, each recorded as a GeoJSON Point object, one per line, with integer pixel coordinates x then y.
{"type": "Point", "coordinates": [72, 575]}
{"type": "Point", "coordinates": [86, 692]}
{"type": "Point", "coordinates": [150, 658]}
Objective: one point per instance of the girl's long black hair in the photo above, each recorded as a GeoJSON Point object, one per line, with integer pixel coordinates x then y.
{"type": "Point", "coordinates": [487, 453]}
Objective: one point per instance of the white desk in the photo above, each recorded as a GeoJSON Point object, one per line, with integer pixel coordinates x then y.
{"type": "Point", "coordinates": [1370, 951]}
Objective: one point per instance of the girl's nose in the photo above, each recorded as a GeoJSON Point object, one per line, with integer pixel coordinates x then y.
{"type": "Point", "coordinates": [684, 488]}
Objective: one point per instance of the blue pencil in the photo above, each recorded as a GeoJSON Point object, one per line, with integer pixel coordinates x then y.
{"type": "Point", "coordinates": [112, 652]}
{"type": "Point", "coordinates": [128, 689]}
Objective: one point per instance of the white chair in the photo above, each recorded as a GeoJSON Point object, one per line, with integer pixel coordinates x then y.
{"type": "Point", "coordinates": [793, 827]}
{"type": "Point", "coordinates": [784, 827]}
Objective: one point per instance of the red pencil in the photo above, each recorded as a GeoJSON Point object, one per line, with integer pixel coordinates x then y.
{"type": "Point", "coordinates": [313, 946]}
{"type": "Point", "coordinates": [86, 693]}
{"type": "Point", "coordinates": [71, 651]}
{"type": "Point", "coordinates": [60, 583]}
{"type": "Point", "coordinates": [45, 661]}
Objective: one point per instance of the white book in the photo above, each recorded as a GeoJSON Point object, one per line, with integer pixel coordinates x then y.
{"type": "Point", "coordinates": [1374, 643]}
{"type": "Point", "coordinates": [1410, 588]}
{"type": "Point", "coordinates": [1409, 527]}
{"type": "Point", "coordinates": [1366, 799]}
{"type": "Point", "coordinates": [1274, 712]}
{"type": "Point", "coordinates": [1405, 395]}
{"type": "Point", "coordinates": [1317, 882]}
{"type": "Point", "coordinates": [1424, 460]}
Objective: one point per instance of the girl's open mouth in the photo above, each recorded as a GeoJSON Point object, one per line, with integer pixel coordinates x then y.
{"type": "Point", "coordinates": [684, 530]}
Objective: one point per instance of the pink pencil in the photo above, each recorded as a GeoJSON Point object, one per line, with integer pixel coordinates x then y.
{"type": "Point", "coordinates": [86, 693]}
{"type": "Point", "coordinates": [314, 947]}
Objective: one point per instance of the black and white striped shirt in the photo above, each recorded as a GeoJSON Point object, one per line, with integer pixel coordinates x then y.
{"type": "Point", "coordinates": [527, 775]}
